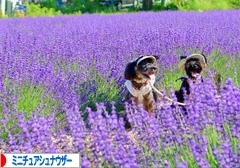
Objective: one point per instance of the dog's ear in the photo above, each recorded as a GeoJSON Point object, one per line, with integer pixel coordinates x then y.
{"type": "Point", "coordinates": [156, 57]}
{"type": "Point", "coordinates": [205, 58]}
{"type": "Point", "coordinates": [130, 71]}
{"type": "Point", "coordinates": [183, 57]}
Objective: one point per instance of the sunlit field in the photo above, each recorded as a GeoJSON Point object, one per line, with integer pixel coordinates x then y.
{"type": "Point", "coordinates": [62, 83]}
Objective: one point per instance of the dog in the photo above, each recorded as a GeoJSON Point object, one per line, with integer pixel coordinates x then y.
{"type": "Point", "coordinates": [193, 65]}
{"type": "Point", "coordinates": [140, 77]}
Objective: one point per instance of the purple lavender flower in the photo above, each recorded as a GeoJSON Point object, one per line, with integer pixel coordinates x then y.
{"type": "Point", "coordinates": [63, 60]}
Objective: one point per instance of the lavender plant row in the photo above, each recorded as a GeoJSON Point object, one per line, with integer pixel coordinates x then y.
{"type": "Point", "coordinates": [46, 62]}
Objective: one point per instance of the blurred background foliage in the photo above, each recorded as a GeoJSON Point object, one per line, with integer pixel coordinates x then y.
{"type": "Point", "coordinates": [76, 7]}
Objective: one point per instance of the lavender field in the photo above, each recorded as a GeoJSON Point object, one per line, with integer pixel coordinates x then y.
{"type": "Point", "coordinates": [61, 84]}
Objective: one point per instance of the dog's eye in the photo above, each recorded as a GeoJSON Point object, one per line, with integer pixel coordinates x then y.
{"type": "Point", "coordinates": [144, 68]}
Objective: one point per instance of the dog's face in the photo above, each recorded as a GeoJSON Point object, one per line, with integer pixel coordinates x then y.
{"type": "Point", "coordinates": [193, 68]}
{"type": "Point", "coordinates": [143, 70]}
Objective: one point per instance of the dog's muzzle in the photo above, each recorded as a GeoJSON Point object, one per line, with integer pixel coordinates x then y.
{"type": "Point", "coordinates": [150, 71]}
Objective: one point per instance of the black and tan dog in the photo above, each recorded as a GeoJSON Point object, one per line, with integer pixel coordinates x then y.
{"type": "Point", "coordinates": [193, 65]}
{"type": "Point", "coordinates": [140, 77]}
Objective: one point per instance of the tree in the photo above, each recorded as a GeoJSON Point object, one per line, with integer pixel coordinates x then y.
{"type": "Point", "coordinates": [162, 2]}
{"type": "Point", "coordinates": [147, 5]}
{"type": "Point", "coordinates": [179, 3]}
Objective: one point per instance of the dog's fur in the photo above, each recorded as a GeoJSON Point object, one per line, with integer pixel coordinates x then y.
{"type": "Point", "coordinates": [138, 75]}
{"type": "Point", "coordinates": [192, 67]}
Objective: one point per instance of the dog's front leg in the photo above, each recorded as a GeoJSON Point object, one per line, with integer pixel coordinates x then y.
{"type": "Point", "coordinates": [148, 102]}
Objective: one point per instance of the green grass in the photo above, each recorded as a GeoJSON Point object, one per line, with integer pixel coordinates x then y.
{"type": "Point", "coordinates": [233, 140]}
{"type": "Point", "coordinates": [200, 5]}
{"type": "Point", "coordinates": [36, 10]}
{"type": "Point", "coordinates": [212, 136]}
{"type": "Point", "coordinates": [30, 98]}
{"type": "Point", "coordinates": [105, 90]}
{"type": "Point", "coordinates": [100, 88]}
{"type": "Point", "coordinates": [184, 152]}
{"type": "Point", "coordinates": [169, 153]}
{"type": "Point", "coordinates": [226, 66]}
